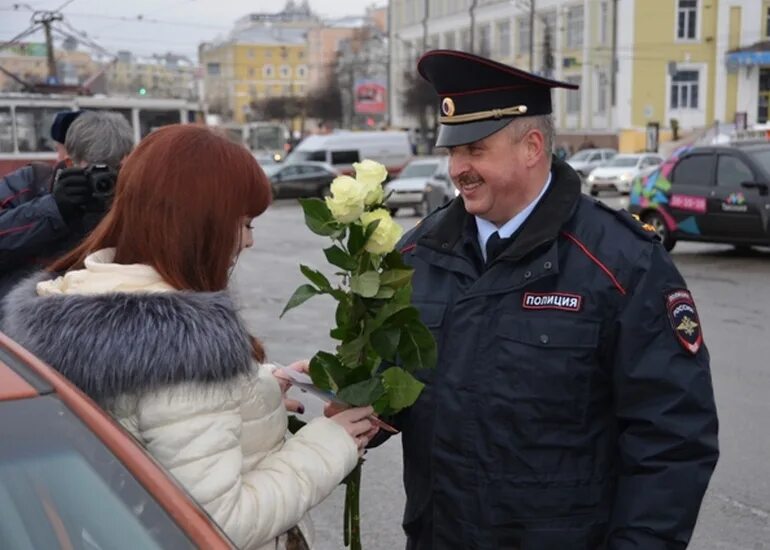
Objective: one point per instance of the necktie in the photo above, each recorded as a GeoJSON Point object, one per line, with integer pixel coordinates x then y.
{"type": "Point", "coordinates": [494, 246]}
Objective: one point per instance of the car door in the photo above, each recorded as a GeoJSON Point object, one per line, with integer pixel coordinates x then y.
{"type": "Point", "coordinates": [692, 182]}
{"type": "Point", "coordinates": [737, 211]}
{"type": "Point", "coordinates": [288, 181]}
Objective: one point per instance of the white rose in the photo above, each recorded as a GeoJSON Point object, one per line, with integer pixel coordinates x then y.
{"type": "Point", "coordinates": [385, 236]}
{"type": "Point", "coordinates": [371, 174]}
{"type": "Point", "coordinates": [347, 201]}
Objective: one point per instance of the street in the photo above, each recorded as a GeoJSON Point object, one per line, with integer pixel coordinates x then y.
{"type": "Point", "coordinates": [729, 288]}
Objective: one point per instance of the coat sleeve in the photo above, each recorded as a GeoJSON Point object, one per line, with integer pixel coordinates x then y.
{"type": "Point", "coordinates": [27, 223]}
{"type": "Point", "coordinates": [667, 421]}
{"type": "Point", "coordinates": [196, 434]}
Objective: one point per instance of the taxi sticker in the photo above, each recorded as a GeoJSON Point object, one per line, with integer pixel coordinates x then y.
{"type": "Point", "coordinates": [684, 319]}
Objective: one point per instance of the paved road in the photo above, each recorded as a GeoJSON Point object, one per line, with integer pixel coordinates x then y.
{"type": "Point", "coordinates": [733, 298]}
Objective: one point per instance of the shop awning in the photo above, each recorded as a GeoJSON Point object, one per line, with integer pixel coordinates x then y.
{"type": "Point", "coordinates": [757, 54]}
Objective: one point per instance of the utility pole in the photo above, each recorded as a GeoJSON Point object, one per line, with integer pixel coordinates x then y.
{"type": "Point", "coordinates": [426, 14]}
{"type": "Point", "coordinates": [532, 36]}
{"type": "Point", "coordinates": [46, 18]}
{"type": "Point", "coordinates": [473, 25]}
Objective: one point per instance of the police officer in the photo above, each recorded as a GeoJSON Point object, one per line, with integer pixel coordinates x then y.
{"type": "Point", "coordinates": [572, 406]}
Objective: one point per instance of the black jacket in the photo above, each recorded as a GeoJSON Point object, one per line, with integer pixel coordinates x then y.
{"type": "Point", "coordinates": [572, 407]}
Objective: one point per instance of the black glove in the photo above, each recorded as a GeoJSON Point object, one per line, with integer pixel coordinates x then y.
{"type": "Point", "coordinates": [72, 192]}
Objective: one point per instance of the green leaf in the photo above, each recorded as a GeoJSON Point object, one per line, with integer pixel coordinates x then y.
{"type": "Point", "coordinates": [385, 293]}
{"type": "Point", "coordinates": [366, 284]}
{"type": "Point", "coordinates": [343, 315]}
{"type": "Point", "coordinates": [386, 312]}
{"type": "Point", "coordinates": [350, 352]}
{"type": "Point", "coordinates": [318, 218]}
{"type": "Point", "coordinates": [416, 347]}
{"type": "Point", "coordinates": [396, 277]}
{"type": "Point", "coordinates": [301, 295]}
{"type": "Point", "coordinates": [394, 260]}
{"type": "Point", "coordinates": [336, 256]}
{"type": "Point", "coordinates": [356, 241]}
{"type": "Point", "coordinates": [338, 333]}
{"type": "Point", "coordinates": [327, 372]}
{"type": "Point", "coordinates": [385, 341]}
{"type": "Point", "coordinates": [370, 229]}
{"type": "Point", "coordinates": [316, 277]}
{"type": "Point", "coordinates": [362, 393]}
{"type": "Point", "coordinates": [402, 388]}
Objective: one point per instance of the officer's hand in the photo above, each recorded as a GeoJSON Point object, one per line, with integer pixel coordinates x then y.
{"type": "Point", "coordinates": [72, 192]}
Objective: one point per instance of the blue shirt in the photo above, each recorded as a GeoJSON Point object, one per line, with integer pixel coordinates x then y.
{"type": "Point", "coordinates": [485, 228]}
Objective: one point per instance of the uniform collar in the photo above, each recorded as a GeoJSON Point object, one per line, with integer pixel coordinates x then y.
{"type": "Point", "coordinates": [541, 226]}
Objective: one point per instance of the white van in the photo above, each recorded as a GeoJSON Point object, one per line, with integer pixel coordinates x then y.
{"type": "Point", "coordinates": [341, 149]}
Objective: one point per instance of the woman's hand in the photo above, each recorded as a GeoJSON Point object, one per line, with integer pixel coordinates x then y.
{"type": "Point", "coordinates": [284, 381]}
{"type": "Point", "coordinates": [356, 422]}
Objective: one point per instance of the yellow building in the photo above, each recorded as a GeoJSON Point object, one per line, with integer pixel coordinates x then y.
{"type": "Point", "coordinates": [265, 56]}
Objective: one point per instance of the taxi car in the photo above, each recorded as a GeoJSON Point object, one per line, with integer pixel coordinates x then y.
{"type": "Point", "coordinates": [710, 194]}
{"type": "Point", "coordinates": [71, 477]}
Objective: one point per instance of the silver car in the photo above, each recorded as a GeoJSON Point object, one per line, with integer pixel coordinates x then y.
{"type": "Point", "coordinates": [583, 162]}
{"type": "Point", "coordinates": [423, 185]}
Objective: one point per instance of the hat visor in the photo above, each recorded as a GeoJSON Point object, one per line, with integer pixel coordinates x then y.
{"type": "Point", "coordinates": [451, 135]}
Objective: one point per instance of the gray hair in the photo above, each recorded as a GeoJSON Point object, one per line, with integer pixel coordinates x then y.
{"type": "Point", "coordinates": [542, 123]}
{"type": "Point", "coordinates": [99, 137]}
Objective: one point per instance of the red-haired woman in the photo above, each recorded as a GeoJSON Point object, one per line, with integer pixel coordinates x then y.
{"type": "Point", "coordinates": [140, 320]}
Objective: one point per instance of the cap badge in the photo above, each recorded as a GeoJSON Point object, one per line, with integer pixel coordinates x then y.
{"type": "Point", "coordinates": [447, 106]}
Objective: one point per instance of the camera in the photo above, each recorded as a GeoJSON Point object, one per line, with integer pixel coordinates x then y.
{"type": "Point", "coordinates": [102, 180]}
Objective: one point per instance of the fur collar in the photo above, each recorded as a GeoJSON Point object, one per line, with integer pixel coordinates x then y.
{"type": "Point", "coordinates": [116, 343]}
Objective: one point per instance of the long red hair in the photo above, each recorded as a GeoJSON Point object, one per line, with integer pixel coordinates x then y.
{"type": "Point", "coordinates": [179, 199]}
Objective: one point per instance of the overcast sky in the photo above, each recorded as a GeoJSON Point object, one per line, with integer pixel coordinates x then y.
{"type": "Point", "coordinates": [168, 25]}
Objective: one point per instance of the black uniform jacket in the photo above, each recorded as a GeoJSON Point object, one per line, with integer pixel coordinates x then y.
{"type": "Point", "coordinates": [571, 407]}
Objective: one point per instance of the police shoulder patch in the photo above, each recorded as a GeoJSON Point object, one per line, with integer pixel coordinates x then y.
{"type": "Point", "coordinates": [684, 319]}
{"type": "Point", "coordinates": [632, 221]}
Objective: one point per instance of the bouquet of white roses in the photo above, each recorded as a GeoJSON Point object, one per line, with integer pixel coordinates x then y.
{"type": "Point", "coordinates": [382, 341]}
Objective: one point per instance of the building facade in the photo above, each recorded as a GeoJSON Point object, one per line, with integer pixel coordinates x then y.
{"type": "Point", "coordinates": [264, 56]}
{"type": "Point", "coordinates": [678, 63]}
{"type": "Point", "coordinates": [29, 62]}
{"type": "Point", "coordinates": [165, 76]}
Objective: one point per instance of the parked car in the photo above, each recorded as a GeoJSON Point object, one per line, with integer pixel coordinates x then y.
{"type": "Point", "coordinates": [714, 194]}
{"type": "Point", "coordinates": [423, 185]}
{"type": "Point", "coordinates": [620, 172]}
{"type": "Point", "coordinates": [300, 179]}
{"type": "Point", "coordinates": [343, 148]}
{"type": "Point", "coordinates": [586, 160]}
{"type": "Point", "coordinates": [72, 477]}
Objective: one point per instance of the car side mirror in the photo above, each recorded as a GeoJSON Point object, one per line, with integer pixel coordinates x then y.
{"type": "Point", "coordinates": [761, 187]}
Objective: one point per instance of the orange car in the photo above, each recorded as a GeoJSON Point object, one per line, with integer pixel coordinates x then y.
{"type": "Point", "coordinates": [72, 478]}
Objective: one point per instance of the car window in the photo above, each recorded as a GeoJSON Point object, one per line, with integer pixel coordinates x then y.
{"type": "Point", "coordinates": [694, 170]}
{"type": "Point", "coordinates": [732, 172]}
{"type": "Point", "coordinates": [290, 171]}
{"type": "Point", "coordinates": [596, 157]}
{"type": "Point", "coordinates": [344, 157]}
{"type": "Point", "coordinates": [419, 170]}
{"type": "Point", "coordinates": [61, 488]}
{"type": "Point", "coordinates": [609, 154]}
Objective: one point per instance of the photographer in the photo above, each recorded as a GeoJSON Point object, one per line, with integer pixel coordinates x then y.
{"type": "Point", "coordinates": [45, 212]}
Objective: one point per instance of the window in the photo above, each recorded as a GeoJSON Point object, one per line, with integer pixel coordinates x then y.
{"type": "Point", "coordinates": [449, 41]}
{"type": "Point", "coordinates": [686, 19]}
{"type": "Point", "coordinates": [684, 90]}
{"type": "Point", "coordinates": [344, 157]}
{"type": "Point", "coordinates": [252, 72]}
{"type": "Point", "coordinates": [732, 172]}
{"type": "Point", "coordinates": [504, 38]}
{"type": "Point", "coordinates": [212, 69]}
{"type": "Point", "coordinates": [694, 170]}
{"type": "Point", "coordinates": [267, 71]}
{"type": "Point", "coordinates": [287, 89]}
{"type": "Point", "coordinates": [522, 35]}
{"type": "Point", "coordinates": [285, 71]}
{"type": "Point", "coordinates": [6, 138]}
{"type": "Point", "coordinates": [603, 23]}
{"type": "Point", "coordinates": [601, 93]}
{"type": "Point", "coordinates": [767, 22]}
{"type": "Point", "coordinates": [575, 27]}
{"type": "Point", "coordinates": [33, 129]}
{"type": "Point", "coordinates": [465, 39]}
{"type": "Point", "coordinates": [573, 96]}
{"type": "Point", "coordinates": [485, 40]}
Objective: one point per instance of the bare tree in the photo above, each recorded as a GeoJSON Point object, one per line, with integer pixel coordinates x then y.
{"type": "Point", "coordinates": [325, 102]}
{"type": "Point", "coordinates": [420, 100]}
